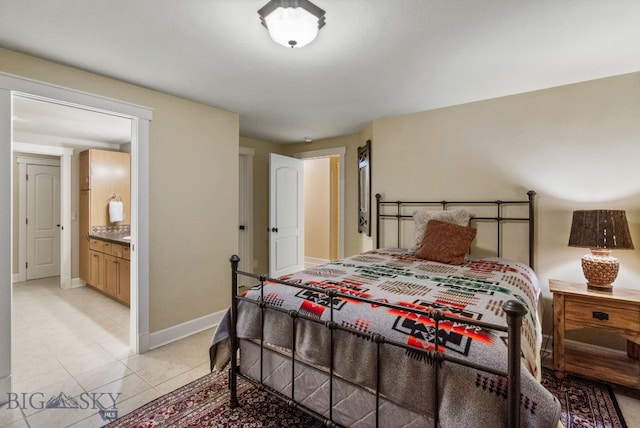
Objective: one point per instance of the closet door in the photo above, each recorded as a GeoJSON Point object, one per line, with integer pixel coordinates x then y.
{"type": "Point", "coordinates": [43, 221]}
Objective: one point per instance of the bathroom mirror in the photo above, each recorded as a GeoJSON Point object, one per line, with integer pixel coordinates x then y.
{"type": "Point", "coordinates": [364, 188]}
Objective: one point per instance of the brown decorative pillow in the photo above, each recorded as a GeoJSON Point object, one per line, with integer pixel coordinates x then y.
{"type": "Point", "coordinates": [446, 243]}
{"type": "Point", "coordinates": [458, 216]}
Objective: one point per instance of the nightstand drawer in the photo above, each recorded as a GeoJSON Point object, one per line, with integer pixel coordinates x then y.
{"type": "Point", "coordinates": [602, 315]}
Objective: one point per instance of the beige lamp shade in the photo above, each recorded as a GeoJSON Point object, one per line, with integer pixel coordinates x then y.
{"type": "Point", "coordinates": [601, 231]}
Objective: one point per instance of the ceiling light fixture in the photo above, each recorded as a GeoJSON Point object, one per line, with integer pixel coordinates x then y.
{"type": "Point", "coordinates": [292, 23]}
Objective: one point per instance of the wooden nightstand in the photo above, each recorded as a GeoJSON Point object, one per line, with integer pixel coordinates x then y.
{"type": "Point", "coordinates": [618, 312]}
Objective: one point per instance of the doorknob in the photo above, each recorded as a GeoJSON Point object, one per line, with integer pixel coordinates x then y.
{"type": "Point", "coordinates": [242, 227]}
{"type": "Point", "coordinates": [274, 229]}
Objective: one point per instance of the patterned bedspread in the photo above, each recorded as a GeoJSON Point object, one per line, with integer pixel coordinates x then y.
{"type": "Point", "coordinates": [475, 290]}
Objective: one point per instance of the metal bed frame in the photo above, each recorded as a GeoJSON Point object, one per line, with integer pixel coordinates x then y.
{"type": "Point", "coordinates": [514, 310]}
{"type": "Point", "coordinates": [498, 218]}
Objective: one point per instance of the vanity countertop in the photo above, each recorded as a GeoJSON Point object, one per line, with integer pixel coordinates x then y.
{"type": "Point", "coordinates": [114, 237]}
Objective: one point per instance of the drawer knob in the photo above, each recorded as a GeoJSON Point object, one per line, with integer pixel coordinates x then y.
{"type": "Point", "coordinates": [602, 316]}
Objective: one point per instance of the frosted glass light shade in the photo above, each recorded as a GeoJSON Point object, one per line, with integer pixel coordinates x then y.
{"type": "Point", "coordinates": [292, 27]}
{"type": "Point", "coordinates": [292, 23]}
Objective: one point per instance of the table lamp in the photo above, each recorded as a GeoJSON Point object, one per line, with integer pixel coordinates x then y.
{"type": "Point", "coordinates": [601, 231]}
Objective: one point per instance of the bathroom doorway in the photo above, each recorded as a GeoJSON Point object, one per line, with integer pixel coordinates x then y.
{"type": "Point", "coordinates": [11, 86]}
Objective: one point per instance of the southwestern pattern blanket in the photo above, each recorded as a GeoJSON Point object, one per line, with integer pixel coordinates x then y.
{"type": "Point", "coordinates": [475, 290]}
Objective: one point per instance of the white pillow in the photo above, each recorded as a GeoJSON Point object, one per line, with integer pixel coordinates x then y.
{"type": "Point", "coordinates": [459, 216]}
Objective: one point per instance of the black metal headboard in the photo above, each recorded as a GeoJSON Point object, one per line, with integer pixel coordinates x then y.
{"type": "Point", "coordinates": [499, 217]}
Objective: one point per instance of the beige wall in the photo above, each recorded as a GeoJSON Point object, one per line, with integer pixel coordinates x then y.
{"type": "Point", "coordinates": [578, 146]}
{"type": "Point", "coordinates": [193, 156]}
{"type": "Point", "coordinates": [317, 204]}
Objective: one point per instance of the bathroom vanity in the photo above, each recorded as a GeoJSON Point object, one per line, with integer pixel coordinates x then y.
{"type": "Point", "coordinates": [105, 176]}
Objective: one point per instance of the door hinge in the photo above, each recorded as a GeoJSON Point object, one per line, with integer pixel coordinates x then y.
{"type": "Point", "coordinates": [27, 177]}
{"type": "Point", "coordinates": [26, 265]}
{"type": "Point", "coordinates": [26, 221]}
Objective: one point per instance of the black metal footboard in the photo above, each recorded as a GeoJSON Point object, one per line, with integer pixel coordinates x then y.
{"type": "Point", "coordinates": [513, 309]}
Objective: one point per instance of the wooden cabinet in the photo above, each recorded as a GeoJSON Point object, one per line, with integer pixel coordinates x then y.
{"type": "Point", "coordinates": [616, 312]}
{"type": "Point", "coordinates": [126, 252]}
{"type": "Point", "coordinates": [96, 245]}
{"type": "Point", "coordinates": [111, 275]}
{"type": "Point", "coordinates": [102, 175]}
{"type": "Point", "coordinates": [85, 176]}
{"type": "Point", "coordinates": [110, 269]}
{"type": "Point", "coordinates": [96, 270]}
{"type": "Point", "coordinates": [123, 286]}
{"type": "Point", "coordinates": [84, 228]}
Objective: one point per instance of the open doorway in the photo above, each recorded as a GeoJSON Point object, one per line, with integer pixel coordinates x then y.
{"type": "Point", "coordinates": [86, 318]}
{"type": "Point", "coordinates": [324, 189]}
{"type": "Point", "coordinates": [321, 209]}
{"type": "Point", "coordinates": [11, 86]}
{"type": "Point", "coordinates": [287, 212]}
{"type": "Point", "coordinates": [47, 134]}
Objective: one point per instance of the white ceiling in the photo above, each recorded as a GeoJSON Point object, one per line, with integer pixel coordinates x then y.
{"type": "Point", "coordinates": [373, 59]}
{"type": "Point", "coordinates": [40, 122]}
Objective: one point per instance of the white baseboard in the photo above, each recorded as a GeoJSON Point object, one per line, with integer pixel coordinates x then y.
{"type": "Point", "coordinates": [180, 331]}
{"type": "Point", "coordinates": [143, 343]}
{"type": "Point", "coordinates": [314, 261]}
{"type": "Point", "coordinates": [5, 389]}
{"type": "Point", "coordinates": [77, 282]}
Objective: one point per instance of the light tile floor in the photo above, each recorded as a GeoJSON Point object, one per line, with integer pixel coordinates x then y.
{"type": "Point", "coordinates": [77, 342]}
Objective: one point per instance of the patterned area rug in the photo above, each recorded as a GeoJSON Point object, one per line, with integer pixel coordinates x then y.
{"type": "Point", "coordinates": [585, 404]}
{"type": "Point", "coordinates": [205, 403]}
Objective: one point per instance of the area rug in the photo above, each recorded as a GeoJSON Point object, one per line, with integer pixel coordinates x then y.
{"type": "Point", "coordinates": [585, 404]}
{"type": "Point", "coordinates": [205, 403]}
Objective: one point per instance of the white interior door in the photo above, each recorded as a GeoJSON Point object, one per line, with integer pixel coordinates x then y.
{"type": "Point", "coordinates": [43, 221]}
{"type": "Point", "coordinates": [286, 215]}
